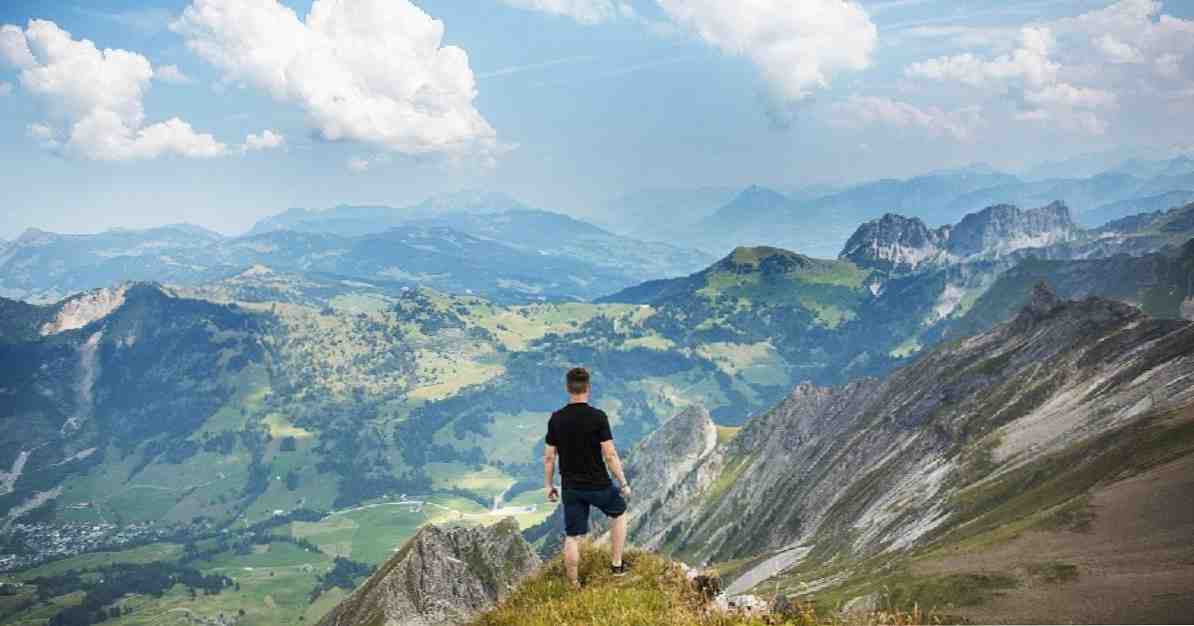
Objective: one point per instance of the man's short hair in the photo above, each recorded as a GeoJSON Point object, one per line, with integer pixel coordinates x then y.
{"type": "Point", "coordinates": [577, 380]}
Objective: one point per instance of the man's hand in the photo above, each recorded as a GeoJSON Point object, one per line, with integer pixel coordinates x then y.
{"type": "Point", "coordinates": [553, 494]}
{"type": "Point", "coordinates": [626, 491]}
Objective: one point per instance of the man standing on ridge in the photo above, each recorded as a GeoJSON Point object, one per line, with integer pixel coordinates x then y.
{"type": "Point", "coordinates": [579, 434]}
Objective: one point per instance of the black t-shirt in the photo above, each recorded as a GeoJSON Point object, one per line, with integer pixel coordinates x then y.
{"type": "Point", "coordinates": [577, 431]}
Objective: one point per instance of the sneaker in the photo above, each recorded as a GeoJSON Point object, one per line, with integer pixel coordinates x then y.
{"type": "Point", "coordinates": [618, 570]}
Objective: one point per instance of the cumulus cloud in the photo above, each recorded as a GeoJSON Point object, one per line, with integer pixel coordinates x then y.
{"type": "Point", "coordinates": [171, 74]}
{"type": "Point", "coordinates": [1076, 73]}
{"type": "Point", "coordinates": [797, 46]}
{"type": "Point", "coordinates": [583, 11]}
{"type": "Point", "coordinates": [98, 95]}
{"type": "Point", "coordinates": [1029, 63]}
{"type": "Point", "coordinates": [373, 71]}
{"type": "Point", "coordinates": [863, 111]}
{"type": "Point", "coordinates": [267, 140]}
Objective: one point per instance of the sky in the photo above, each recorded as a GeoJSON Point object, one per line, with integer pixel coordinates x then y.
{"type": "Point", "coordinates": [123, 113]}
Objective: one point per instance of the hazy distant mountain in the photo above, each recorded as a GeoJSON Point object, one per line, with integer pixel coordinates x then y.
{"type": "Point", "coordinates": [1142, 168]}
{"type": "Point", "coordinates": [500, 218]}
{"type": "Point", "coordinates": [45, 267]}
{"type": "Point", "coordinates": [654, 214]}
{"type": "Point", "coordinates": [1135, 206]}
{"type": "Point", "coordinates": [430, 255]}
{"type": "Point", "coordinates": [818, 227]}
{"type": "Point", "coordinates": [751, 206]}
{"type": "Point", "coordinates": [362, 220]}
{"type": "Point", "coordinates": [553, 234]}
{"type": "Point", "coordinates": [479, 243]}
{"type": "Point", "coordinates": [1079, 166]}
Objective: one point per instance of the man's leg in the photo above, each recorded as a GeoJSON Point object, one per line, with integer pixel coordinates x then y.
{"type": "Point", "coordinates": [617, 536]}
{"type": "Point", "coordinates": [572, 559]}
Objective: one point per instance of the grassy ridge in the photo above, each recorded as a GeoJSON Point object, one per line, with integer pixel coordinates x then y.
{"type": "Point", "coordinates": [655, 593]}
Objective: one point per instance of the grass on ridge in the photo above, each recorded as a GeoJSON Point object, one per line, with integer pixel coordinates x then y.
{"type": "Point", "coordinates": [654, 593]}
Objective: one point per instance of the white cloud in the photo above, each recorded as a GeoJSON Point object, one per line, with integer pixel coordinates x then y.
{"type": "Point", "coordinates": [98, 95]}
{"type": "Point", "coordinates": [358, 164]}
{"type": "Point", "coordinates": [1066, 95]}
{"type": "Point", "coordinates": [1075, 72]}
{"type": "Point", "coordinates": [1029, 63]}
{"type": "Point", "coordinates": [267, 140]}
{"type": "Point", "coordinates": [583, 11]}
{"type": "Point", "coordinates": [373, 71]}
{"type": "Point", "coordinates": [1118, 51]}
{"type": "Point", "coordinates": [797, 46]}
{"type": "Point", "coordinates": [5, 88]}
{"type": "Point", "coordinates": [863, 111]}
{"type": "Point", "coordinates": [171, 74]}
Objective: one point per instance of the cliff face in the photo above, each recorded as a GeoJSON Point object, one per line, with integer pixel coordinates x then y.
{"type": "Point", "coordinates": [899, 244]}
{"type": "Point", "coordinates": [669, 468]}
{"type": "Point", "coordinates": [443, 575]}
{"type": "Point", "coordinates": [896, 243]}
{"type": "Point", "coordinates": [1004, 228]}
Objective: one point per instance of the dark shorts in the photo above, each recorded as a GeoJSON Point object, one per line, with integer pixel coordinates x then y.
{"type": "Point", "coordinates": [578, 501]}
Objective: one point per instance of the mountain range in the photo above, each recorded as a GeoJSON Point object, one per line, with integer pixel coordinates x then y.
{"type": "Point", "coordinates": [301, 395]}
{"type": "Point", "coordinates": [816, 219]}
{"type": "Point", "coordinates": [472, 243]}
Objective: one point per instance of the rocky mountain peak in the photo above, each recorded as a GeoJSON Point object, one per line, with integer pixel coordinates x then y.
{"type": "Point", "coordinates": [1004, 228]}
{"type": "Point", "coordinates": [894, 243]}
{"type": "Point", "coordinates": [669, 453]}
{"type": "Point", "coordinates": [443, 575]}
{"type": "Point", "coordinates": [756, 196]}
{"type": "Point", "coordinates": [1072, 315]}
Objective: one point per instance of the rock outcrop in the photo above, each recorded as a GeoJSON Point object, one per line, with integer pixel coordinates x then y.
{"type": "Point", "coordinates": [443, 575]}
{"type": "Point", "coordinates": [899, 244]}
{"type": "Point", "coordinates": [896, 243]}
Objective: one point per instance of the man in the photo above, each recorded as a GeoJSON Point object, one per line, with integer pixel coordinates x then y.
{"type": "Point", "coordinates": [579, 434]}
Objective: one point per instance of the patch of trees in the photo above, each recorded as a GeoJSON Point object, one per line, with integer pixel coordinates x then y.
{"type": "Point", "coordinates": [344, 574]}
{"type": "Point", "coordinates": [105, 585]}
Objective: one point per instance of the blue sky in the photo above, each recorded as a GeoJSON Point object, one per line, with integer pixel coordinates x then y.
{"type": "Point", "coordinates": [558, 102]}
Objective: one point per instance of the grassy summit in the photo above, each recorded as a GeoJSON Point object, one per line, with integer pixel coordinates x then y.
{"type": "Point", "coordinates": [655, 593]}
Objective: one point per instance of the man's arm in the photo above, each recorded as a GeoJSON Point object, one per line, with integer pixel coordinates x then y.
{"type": "Point", "coordinates": [614, 463]}
{"type": "Point", "coordinates": [549, 471]}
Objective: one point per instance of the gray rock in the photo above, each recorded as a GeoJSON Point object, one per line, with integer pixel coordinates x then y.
{"type": "Point", "coordinates": [443, 575]}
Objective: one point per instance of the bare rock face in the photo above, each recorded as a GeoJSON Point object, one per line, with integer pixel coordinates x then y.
{"type": "Point", "coordinates": [899, 244]}
{"type": "Point", "coordinates": [443, 575]}
{"type": "Point", "coordinates": [896, 243]}
{"type": "Point", "coordinates": [83, 309]}
{"type": "Point", "coordinates": [668, 469]}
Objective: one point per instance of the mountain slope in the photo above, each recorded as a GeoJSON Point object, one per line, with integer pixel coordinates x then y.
{"type": "Point", "coordinates": [873, 466]}
{"type": "Point", "coordinates": [443, 575]}
{"type": "Point", "coordinates": [1161, 284]}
